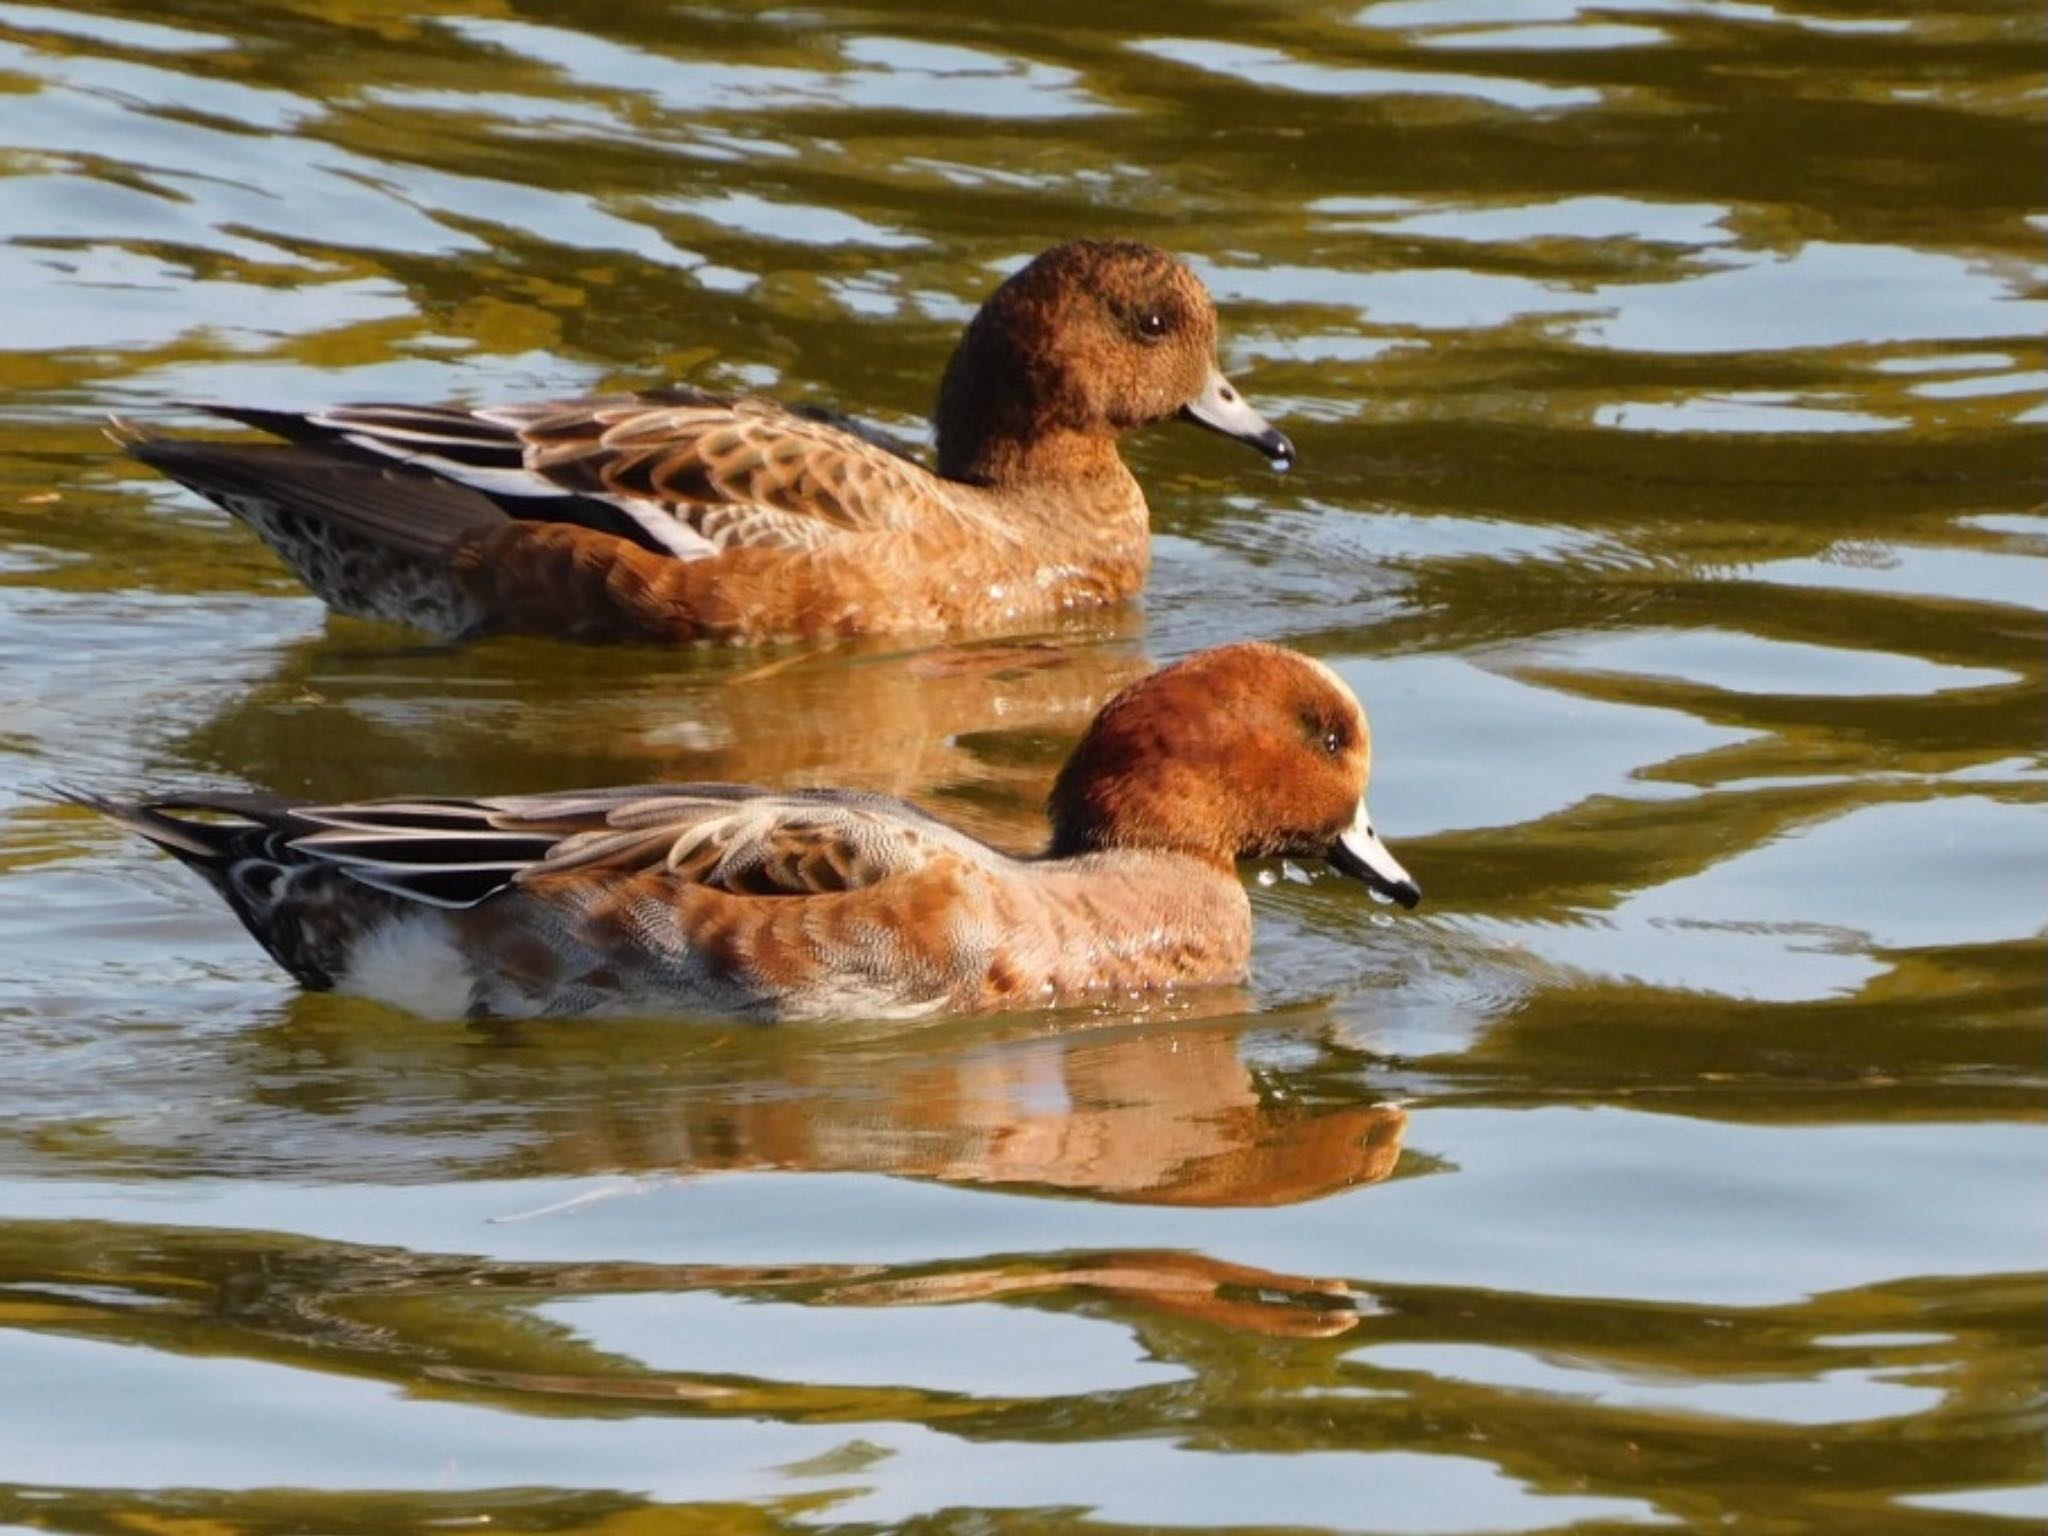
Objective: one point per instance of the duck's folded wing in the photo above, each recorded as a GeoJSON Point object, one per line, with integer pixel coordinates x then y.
{"type": "Point", "coordinates": [733, 838]}
{"type": "Point", "coordinates": [696, 473]}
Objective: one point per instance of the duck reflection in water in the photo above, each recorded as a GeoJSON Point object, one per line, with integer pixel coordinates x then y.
{"type": "Point", "coordinates": [1160, 1112]}
{"type": "Point", "coordinates": [975, 730]}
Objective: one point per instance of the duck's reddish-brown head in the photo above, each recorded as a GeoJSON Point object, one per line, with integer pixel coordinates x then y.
{"type": "Point", "coordinates": [1239, 752]}
{"type": "Point", "coordinates": [1090, 341]}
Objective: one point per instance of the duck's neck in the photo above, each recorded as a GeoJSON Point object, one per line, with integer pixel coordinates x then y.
{"type": "Point", "coordinates": [1080, 826]}
{"type": "Point", "coordinates": [1009, 416]}
{"type": "Point", "coordinates": [1124, 788]}
{"type": "Point", "coordinates": [989, 455]}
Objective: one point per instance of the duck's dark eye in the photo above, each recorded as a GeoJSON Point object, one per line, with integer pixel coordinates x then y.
{"type": "Point", "coordinates": [1153, 324]}
{"type": "Point", "coordinates": [1328, 732]}
{"type": "Point", "coordinates": [1332, 736]}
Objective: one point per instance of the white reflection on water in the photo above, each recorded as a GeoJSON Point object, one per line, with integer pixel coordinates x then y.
{"type": "Point", "coordinates": [183, 1421]}
{"type": "Point", "coordinates": [1825, 1397]}
{"type": "Point", "coordinates": [1799, 917]}
{"type": "Point", "coordinates": [1426, 15]}
{"type": "Point", "coordinates": [1918, 570]}
{"type": "Point", "coordinates": [107, 93]}
{"type": "Point", "coordinates": [2035, 382]}
{"type": "Point", "coordinates": [1748, 301]}
{"type": "Point", "coordinates": [983, 1348]}
{"type": "Point", "coordinates": [877, 73]}
{"type": "Point", "coordinates": [2028, 1502]}
{"type": "Point", "coordinates": [117, 31]}
{"type": "Point", "coordinates": [1554, 1201]}
{"type": "Point", "coordinates": [463, 374]}
{"type": "Point", "coordinates": [1743, 412]}
{"type": "Point", "coordinates": [114, 298]}
{"type": "Point", "coordinates": [1757, 664]}
{"type": "Point", "coordinates": [1825, 294]}
{"type": "Point", "coordinates": [1438, 298]}
{"type": "Point", "coordinates": [790, 222]}
{"type": "Point", "coordinates": [1270, 67]}
{"type": "Point", "coordinates": [1633, 221]}
{"type": "Point", "coordinates": [1458, 745]}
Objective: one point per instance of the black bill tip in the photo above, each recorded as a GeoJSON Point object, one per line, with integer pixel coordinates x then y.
{"type": "Point", "coordinates": [1395, 887]}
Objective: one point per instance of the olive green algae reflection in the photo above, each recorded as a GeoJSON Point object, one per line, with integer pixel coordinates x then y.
{"type": "Point", "coordinates": [1670, 396]}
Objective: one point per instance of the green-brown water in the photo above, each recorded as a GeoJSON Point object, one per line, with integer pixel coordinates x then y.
{"type": "Point", "coordinates": [1670, 392]}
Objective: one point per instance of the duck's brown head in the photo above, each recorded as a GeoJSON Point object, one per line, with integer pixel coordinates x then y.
{"type": "Point", "coordinates": [1090, 341]}
{"type": "Point", "coordinates": [1240, 752]}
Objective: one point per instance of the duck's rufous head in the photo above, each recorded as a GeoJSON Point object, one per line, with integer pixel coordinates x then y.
{"type": "Point", "coordinates": [1244, 751]}
{"type": "Point", "coordinates": [1091, 340]}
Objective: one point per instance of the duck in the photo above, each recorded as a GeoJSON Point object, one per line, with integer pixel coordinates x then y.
{"type": "Point", "coordinates": [678, 515]}
{"type": "Point", "coordinates": [730, 900]}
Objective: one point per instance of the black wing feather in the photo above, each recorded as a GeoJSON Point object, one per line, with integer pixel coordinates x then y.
{"type": "Point", "coordinates": [398, 508]}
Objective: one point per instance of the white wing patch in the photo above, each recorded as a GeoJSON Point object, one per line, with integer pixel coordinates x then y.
{"type": "Point", "coordinates": [663, 526]}
{"type": "Point", "coordinates": [416, 445]}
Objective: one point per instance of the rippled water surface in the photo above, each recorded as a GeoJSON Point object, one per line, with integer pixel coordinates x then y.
{"type": "Point", "coordinates": [1670, 391]}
